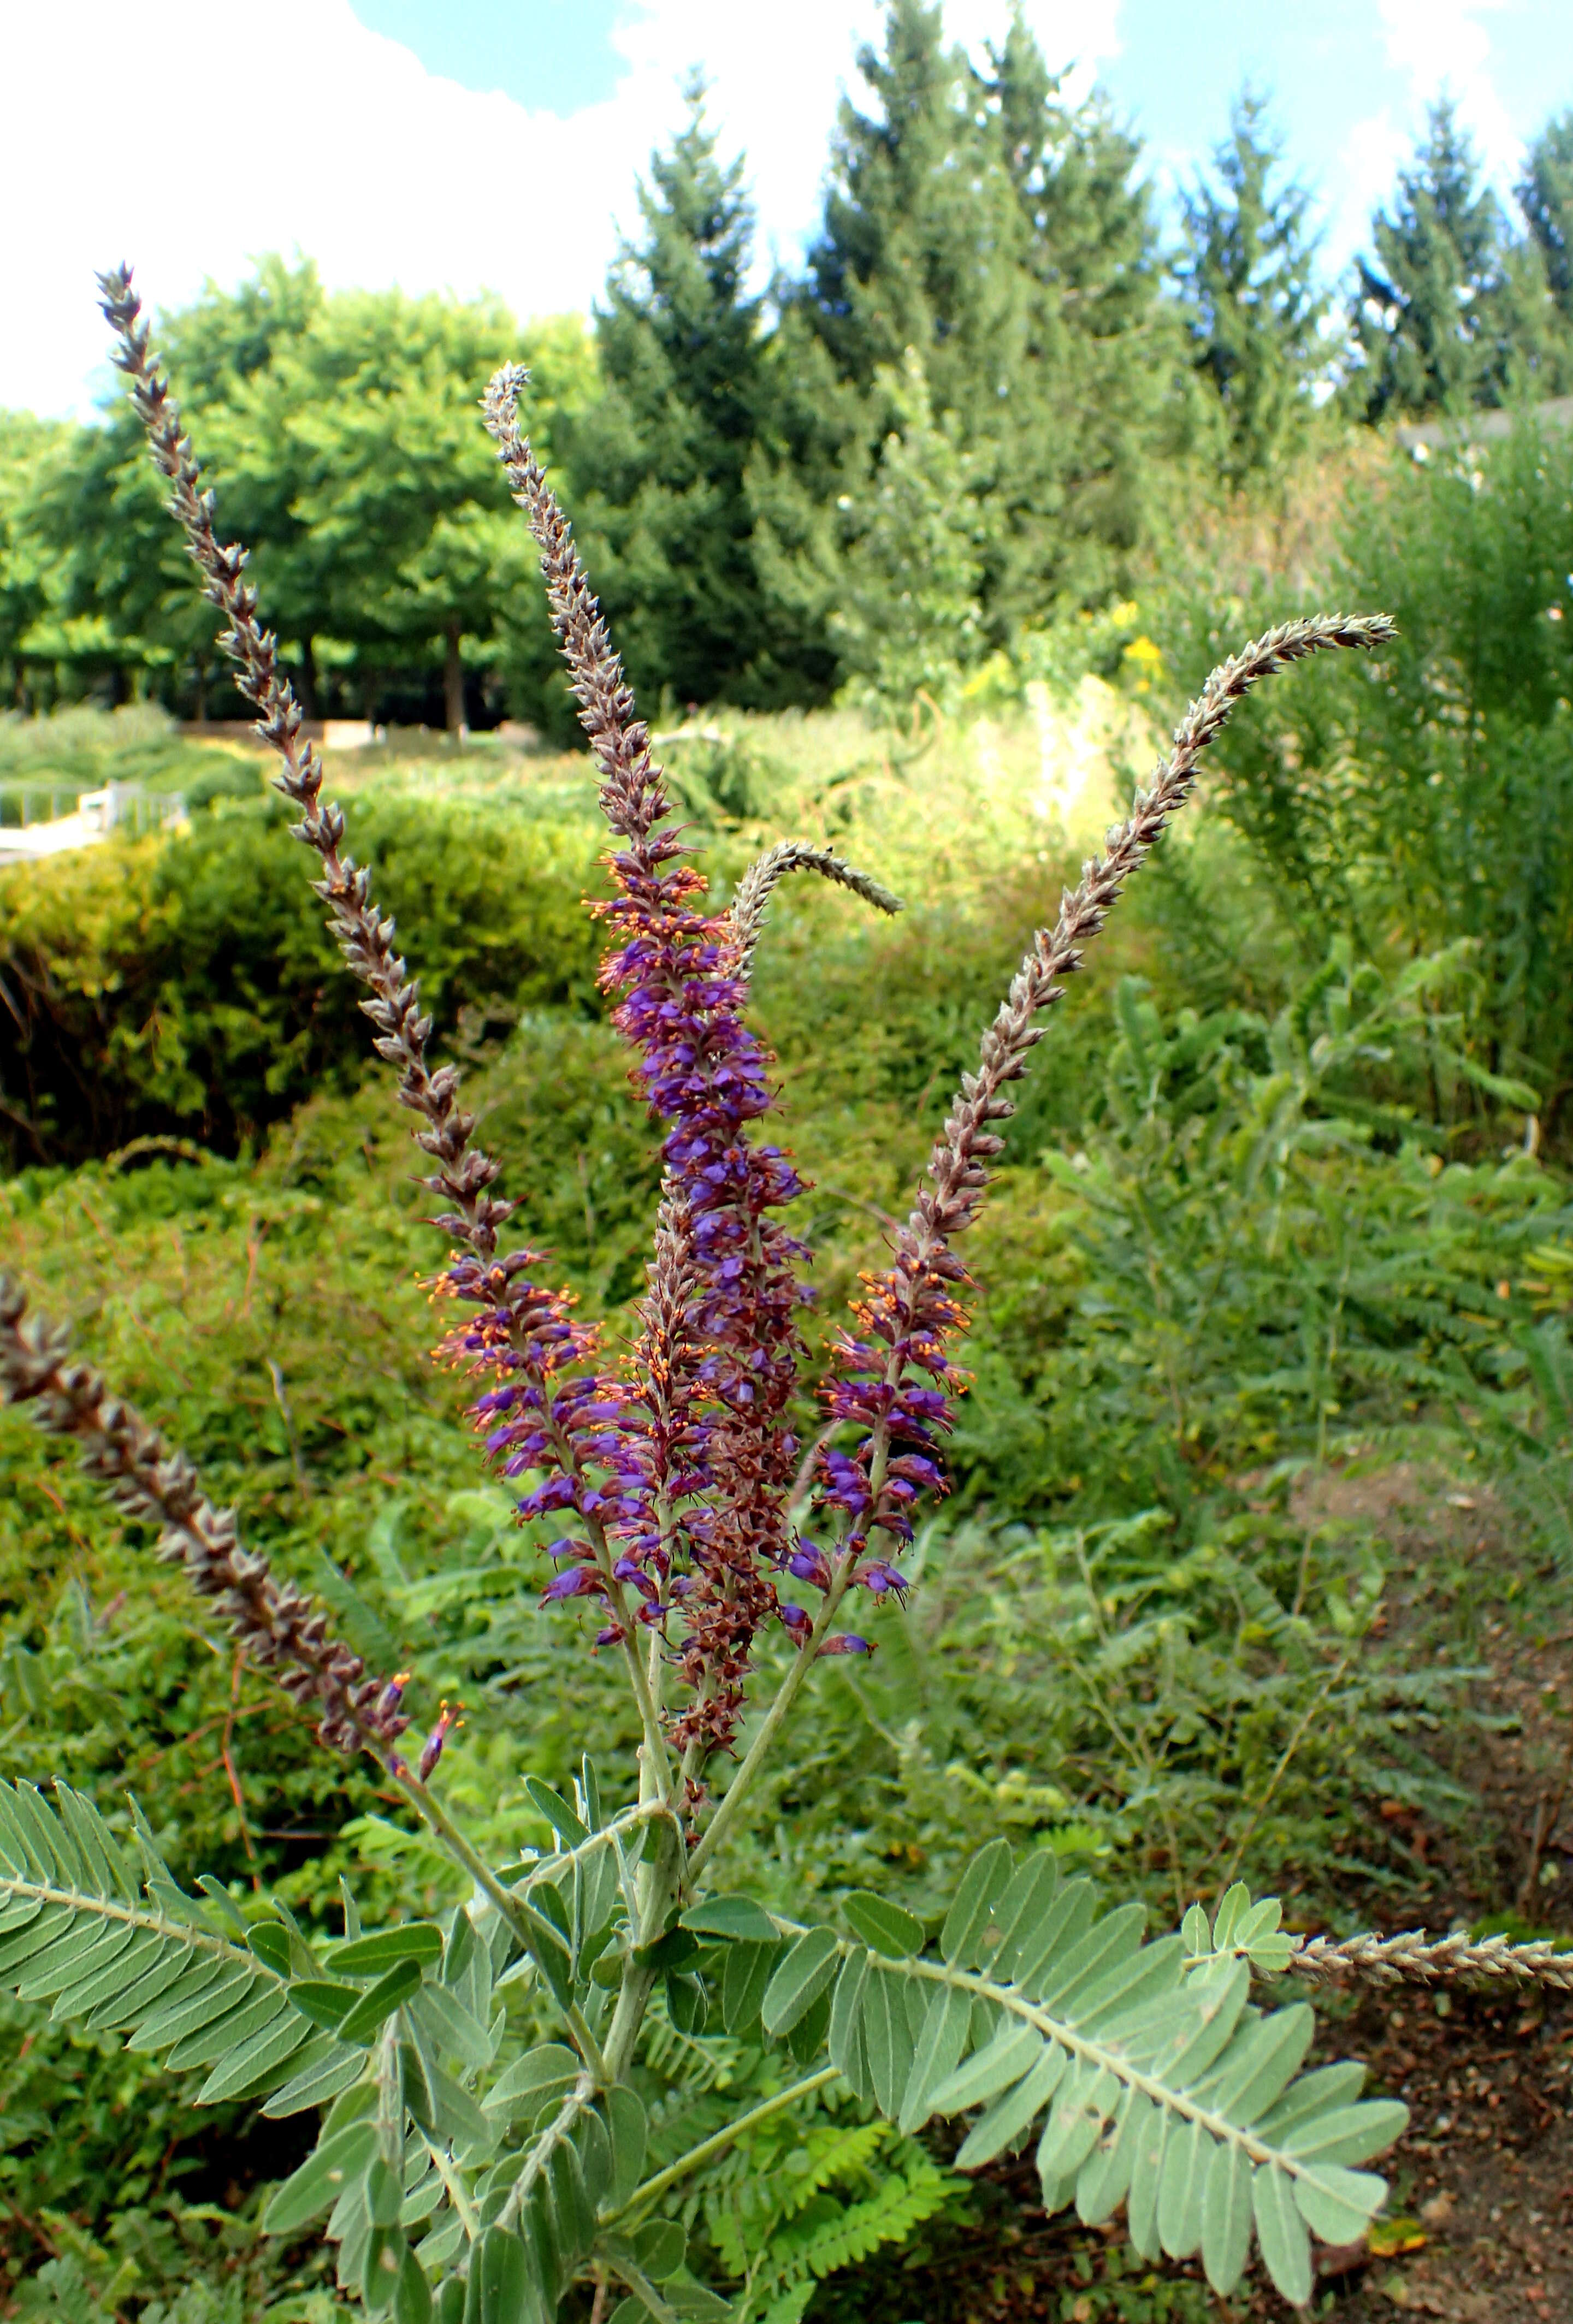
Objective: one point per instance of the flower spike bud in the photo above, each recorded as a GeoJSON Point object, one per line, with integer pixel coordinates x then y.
{"type": "Point", "coordinates": [447, 1721]}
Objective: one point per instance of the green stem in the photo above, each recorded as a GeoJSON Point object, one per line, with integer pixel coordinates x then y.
{"type": "Point", "coordinates": [658, 1885]}
{"type": "Point", "coordinates": [708, 2148]}
{"type": "Point", "coordinates": [774, 1719]}
{"type": "Point", "coordinates": [540, 2155]}
{"type": "Point", "coordinates": [519, 1917]}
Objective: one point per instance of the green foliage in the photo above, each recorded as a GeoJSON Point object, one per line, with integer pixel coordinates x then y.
{"type": "Point", "coordinates": [1452, 309]}
{"type": "Point", "coordinates": [1545, 196]}
{"type": "Point", "coordinates": [340, 431]}
{"type": "Point", "coordinates": [1256, 309]}
{"type": "Point", "coordinates": [189, 989]}
{"type": "Point", "coordinates": [979, 220]}
{"type": "Point", "coordinates": [1162, 2087]}
{"type": "Point", "coordinates": [1427, 798]}
{"type": "Point", "coordinates": [659, 460]}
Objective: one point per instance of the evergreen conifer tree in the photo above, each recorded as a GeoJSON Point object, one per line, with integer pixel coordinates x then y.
{"type": "Point", "coordinates": [660, 461]}
{"type": "Point", "coordinates": [1449, 310]}
{"type": "Point", "coordinates": [1249, 271]}
{"type": "Point", "coordinates": [977, 220]}
{"type": "Point", "coordinates": [1545, 195]}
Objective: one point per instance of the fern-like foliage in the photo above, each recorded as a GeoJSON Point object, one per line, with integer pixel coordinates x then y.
{"type": "Point", "coordinates": [123, 1949]}
{"type": "Point", "coordinates": [1144, 2069]}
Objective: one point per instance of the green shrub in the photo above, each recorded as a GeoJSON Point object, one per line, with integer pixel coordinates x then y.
{"type": "Point", "coordinates": [1427, 794]}
{"type": "Point", "coordinates": [186, 987]}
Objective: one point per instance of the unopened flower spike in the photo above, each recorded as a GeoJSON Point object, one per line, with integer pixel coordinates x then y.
{"type": "Point", "coordinates": [447, 1721]}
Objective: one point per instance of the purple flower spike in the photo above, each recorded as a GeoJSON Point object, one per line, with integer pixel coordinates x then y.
{"type": "Point", "coordinates": [575, 1581]}
{"type": "Point", "coordinates": [808, 1563]}
{"type": "Point", "coordinates": [437, 1738]}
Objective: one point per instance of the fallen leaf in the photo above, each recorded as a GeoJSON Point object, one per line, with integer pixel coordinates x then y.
{"type": "Point", "coordinates": [1388, 2237]}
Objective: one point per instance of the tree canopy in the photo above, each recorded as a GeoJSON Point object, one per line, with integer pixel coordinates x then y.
{"type": "Point", "coordinates": [1002, 378]}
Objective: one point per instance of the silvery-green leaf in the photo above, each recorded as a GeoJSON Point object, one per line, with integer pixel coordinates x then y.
{"type": "Point", "coordinates": [453, 2031]}
{"type": "Point", "coordinates": [1023, 1910]}
{"type": "Point", "coordinates": [1196, 1931]}
{"type": "Point", "coordinates": [1064, 1926]}
{"type": "Point", "coordinates": [843, 2035]}
{"type": "Point", "coordinates": [738, 1919]}
{"type": "Point", "coordinates": [1149, 2134]}
{"type": "Point", "coordinates": [1269, 2055]}
{"type": "Point", "coordinates": [1218, 2006]}
{"type": "Point", "coordinates": [938, 2051]}
{"type": "Point", "coordinates": [1015, 2048]}
{"type": "Point", "coordinates": [1106, 1943]}
{"type": "Point", "coordinates": [1186, 2155]}
{"type": "Point", "coordinates": [1104, 2177]}
{"type": "Point", "coordinates": [745, 1975]}
{"type": "Point", "coordinates": [1351, 2133]}
{"type": "Point", "coordinates": [1086, 2097]}
{"type": "Point", "coordinates": [886, 1928]}
{"type": "Point", "coordinates": [533, 2081]}
{"type": "Point", "coordinates": [1225, 2217]}
{"type": "Point", "coordinates": [983, 1882]}
{"type": "Point", "coordinates": [1235, 1904]}
{"type": "Point", "coordinates": [557, 1811]}
{"type": "Point", "coordinates": [1314, 2093]}
{"type": "Point", "coordinates": [1338, 2205]}
{"type": "Point", "coordinates": [1013, 2112]}
{"type": "Point", "coordinates": [887, 2041]}
{"type": "Point", "coordinates": [626, 2126]}
{"type": "Point", "coordinates": [1282, 2234]}
{"type": "Point", "coordinates": [798, 1980]}
{"type": "Point", "coordinates": [1143, 1977]}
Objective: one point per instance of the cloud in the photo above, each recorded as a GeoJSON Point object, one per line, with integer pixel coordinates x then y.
{"type": "Point", "coordinates": [329, 138]}
{"type": "Point", "coordinates": [1443, 45]}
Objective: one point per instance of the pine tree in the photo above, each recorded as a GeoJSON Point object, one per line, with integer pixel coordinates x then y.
{"type": "Point", "coordinates": [1545, 196]}
{"type": "Point", "coordinates": [1254, 310]}
{"type": "Point", "coordinates": [1095, 410]}
{"type": "Point", "coordinates": [917, 241]}
{"type": "Point", "coordinates": [660, 461]}
{"type": "Point", "coordinates": [976, 220]}
{"type": "Point", "coordinates": [1450, 311]}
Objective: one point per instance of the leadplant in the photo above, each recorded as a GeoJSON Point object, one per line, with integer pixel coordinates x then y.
{"type": "Point", "coordinates": [464, 2163]}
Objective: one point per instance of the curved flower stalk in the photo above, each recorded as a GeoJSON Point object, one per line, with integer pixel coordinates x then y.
{"type": "Point", "coordinates": [678, 976]}
{"type": "Point", "coordinates": [762, 878]}
{"type": "Point", "coordinates": [279, 1627]}
{"type": "Point", "coordinates": [894, 1380]}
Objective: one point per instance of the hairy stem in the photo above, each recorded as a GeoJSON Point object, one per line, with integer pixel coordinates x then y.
{"type": "Point", "coordinates": [522, 1919]}
{"type": "Point", "coordinates": [774, 1719]}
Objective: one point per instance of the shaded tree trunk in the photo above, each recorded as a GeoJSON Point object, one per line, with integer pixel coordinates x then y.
{"type": "Point", "coordinates": [309, 707]}
{"type": "Point", "coordinates": [453, 682]}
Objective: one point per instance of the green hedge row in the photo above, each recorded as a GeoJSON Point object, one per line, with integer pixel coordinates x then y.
{"type": "Point", "coordinates": [189, 987]}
